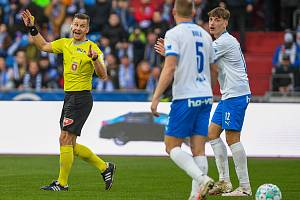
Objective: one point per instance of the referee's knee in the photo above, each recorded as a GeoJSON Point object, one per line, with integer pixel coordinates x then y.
{"type": "Point", "coordinates": [67, 138]}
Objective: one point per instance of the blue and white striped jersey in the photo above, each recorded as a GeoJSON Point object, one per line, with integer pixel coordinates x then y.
{"type": "Point", "coordinates": [193, 47]}
{"type": "Point", "coordinates": [232, 77]}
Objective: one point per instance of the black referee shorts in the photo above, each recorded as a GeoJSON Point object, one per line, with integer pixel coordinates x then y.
{"type": "Point", "coordinates": [76, 109]}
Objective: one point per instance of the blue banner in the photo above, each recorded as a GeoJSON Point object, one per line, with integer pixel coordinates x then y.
{"type": "Point", "coordinates": [58, 95]}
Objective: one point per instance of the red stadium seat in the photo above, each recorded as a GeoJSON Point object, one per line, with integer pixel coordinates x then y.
{"type": "Point", "coordinates": [260, 49]}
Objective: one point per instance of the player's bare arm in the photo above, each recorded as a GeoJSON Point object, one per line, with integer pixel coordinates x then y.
{"type": "Point", "coordinates": [165, 80]}
{"type": "Point", "coordinates": [38, 39]}
{"type": "Point", "coordinates": [100, 69]}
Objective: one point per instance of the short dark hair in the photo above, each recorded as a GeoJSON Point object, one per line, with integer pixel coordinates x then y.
{"type": "Point", "coordinates": [220, 12]}
{"type": "Point", "coordinates": [82, 16]}
{"type": "Point", "coordinates": [184, 8]}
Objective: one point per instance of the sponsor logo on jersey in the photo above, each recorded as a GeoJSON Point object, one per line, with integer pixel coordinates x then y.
{"type": "Point", "coordinates": [81, 50]}
{"type": "Point", "coordinates": [199, 102]}
{"type": "Point", "coordinates": [67, 121]}
{"type": "Point", "coordinates": [227, 122]}
{"type": "Point", "coordinates": [74, 66]}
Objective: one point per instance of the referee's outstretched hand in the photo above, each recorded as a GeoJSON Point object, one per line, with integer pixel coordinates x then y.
{"type": "Point", "coordinates": [28, 19]}
{"type": "Point", "coordinates": [92, 54]}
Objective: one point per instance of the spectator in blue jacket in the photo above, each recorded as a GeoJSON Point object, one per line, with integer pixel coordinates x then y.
{"type": "Point", "coordinates": [292, 50]}
{"type": "Point", "coordinates": [126, 74]}
{"type": "Point", "coordinates": [6, 82]}
{"type": "Point", "coordinates": [289, 48]}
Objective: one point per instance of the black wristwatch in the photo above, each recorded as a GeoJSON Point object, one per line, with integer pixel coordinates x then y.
{"type": "Point", "coordinates": [94, 59]}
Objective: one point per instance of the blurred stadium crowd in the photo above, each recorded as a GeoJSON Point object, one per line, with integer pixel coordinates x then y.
{"type": "Point", "coordinates": [126, 31]}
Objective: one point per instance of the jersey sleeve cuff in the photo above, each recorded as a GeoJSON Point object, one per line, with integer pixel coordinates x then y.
{"type": "Point", "coordinates": [172, 54]}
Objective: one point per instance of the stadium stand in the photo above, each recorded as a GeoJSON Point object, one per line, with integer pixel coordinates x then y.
{"type": "Point", "coordinates": [260, 44]}
{"type": "Point", "coordinates": [260, 49]}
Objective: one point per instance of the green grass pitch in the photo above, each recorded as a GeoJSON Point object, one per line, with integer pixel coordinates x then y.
{"type": "Point", "coordinates": [137, 178]}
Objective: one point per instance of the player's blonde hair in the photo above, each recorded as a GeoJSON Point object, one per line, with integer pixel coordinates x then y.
{"type": "Point", "coordinates": [220, 12]}
{"type": "Point", "coordinates": [184, 8]}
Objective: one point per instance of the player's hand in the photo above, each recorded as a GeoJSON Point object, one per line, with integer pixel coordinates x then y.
{"type": "Point", "coordinates": [92, 54]}
{"type": "Point", "coordinates": [153, 107]}
{"type": "Point", "coordinates": [28, 19]}
{"type": "Point", "coordinates": [159, 46]}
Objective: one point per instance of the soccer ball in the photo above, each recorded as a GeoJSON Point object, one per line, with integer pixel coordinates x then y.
{"type": "Point", "coordinates": [268, 192]}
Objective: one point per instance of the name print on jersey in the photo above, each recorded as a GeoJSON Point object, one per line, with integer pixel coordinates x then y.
{"type": "Point", "coordinates": [197, 33]}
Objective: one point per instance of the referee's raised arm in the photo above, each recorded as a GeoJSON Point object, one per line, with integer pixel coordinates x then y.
{"type": "Point", "coordinates": [100, 67]}
{"type": "Point", "coordinates": [38, 39]}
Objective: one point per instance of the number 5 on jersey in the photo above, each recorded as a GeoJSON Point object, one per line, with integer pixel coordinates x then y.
{"type": "Point", "coordinates": [200, 57]}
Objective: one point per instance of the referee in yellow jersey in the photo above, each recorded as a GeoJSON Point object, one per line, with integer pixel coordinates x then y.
{"type": "Point", "coordinates": [81, 57]}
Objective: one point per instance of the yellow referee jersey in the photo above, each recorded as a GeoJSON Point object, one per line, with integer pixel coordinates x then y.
{"type": "Point", "coordinates": [78, 67]}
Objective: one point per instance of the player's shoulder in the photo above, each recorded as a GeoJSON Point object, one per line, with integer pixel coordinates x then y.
{"type": "Point", "coordinates": [94, 46]}
{"type": "Point", "coordinates": [180, 28]}
{"type": "Point", "coordinates": [62, 40]}
{"type": "Point", "coordinates": [225, 40]}
{"type": "Point", "coordinates": [90, 42]}
{"type": "Point", "coordinates": [205, 34]}
{"type": "Point", "coordinates": [173, 31]}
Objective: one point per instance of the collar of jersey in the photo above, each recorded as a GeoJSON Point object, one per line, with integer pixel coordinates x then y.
{"type": "Point", "coordinates": [224, 32]}
{"type": "Point", "coordinates": [186, 22]}
{"type": "Point", "coordinates": [78, 42]}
